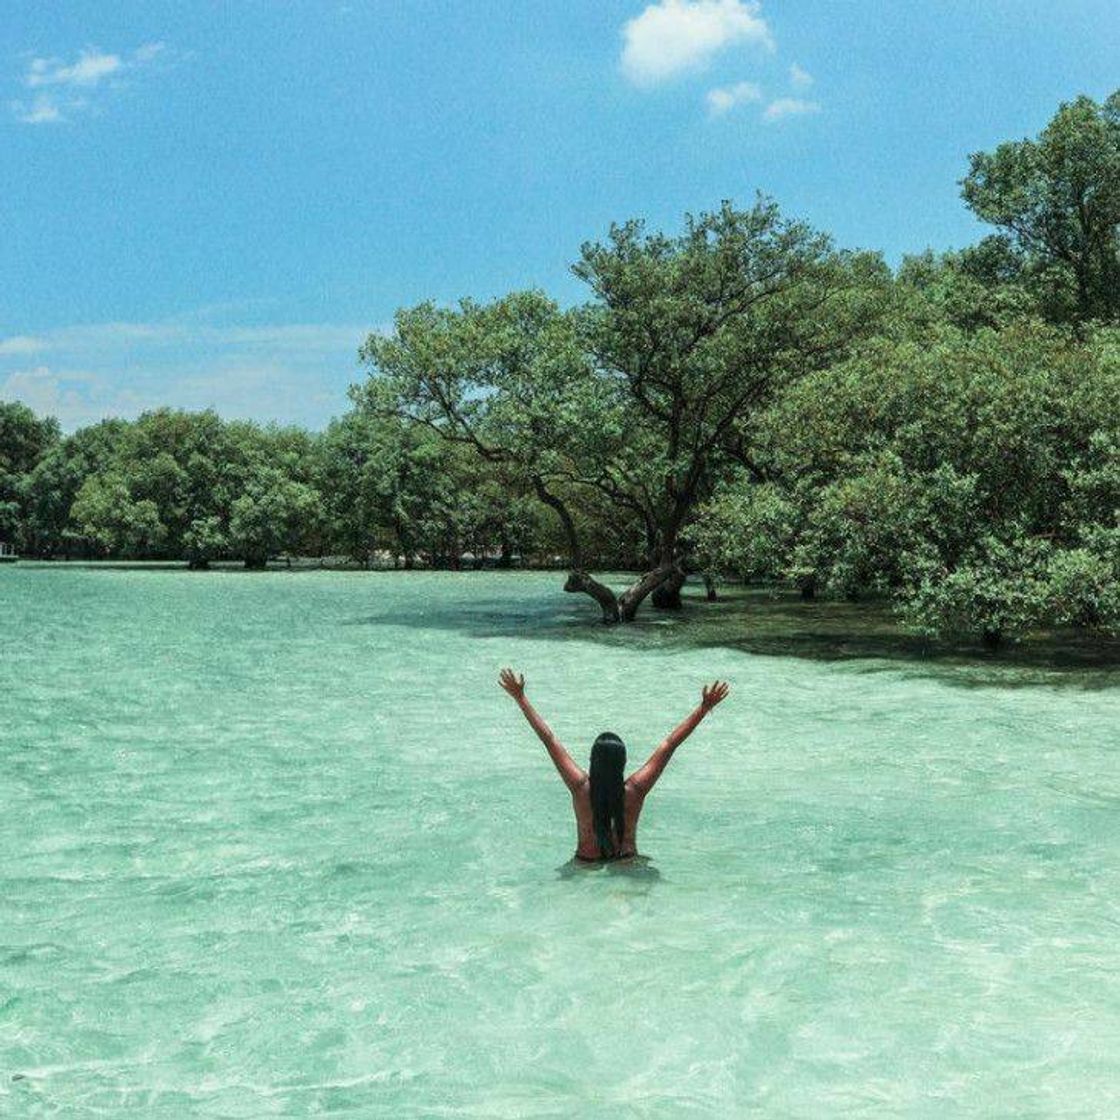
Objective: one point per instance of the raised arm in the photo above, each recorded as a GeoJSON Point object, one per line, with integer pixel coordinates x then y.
{"type": "Point", "coordinates": [515, 685]}
{"type": "Point", "coordinates": [645, 778]}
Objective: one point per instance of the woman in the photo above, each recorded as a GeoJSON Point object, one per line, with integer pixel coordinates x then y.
{"type": "Point", "coordinates": [607, 806]}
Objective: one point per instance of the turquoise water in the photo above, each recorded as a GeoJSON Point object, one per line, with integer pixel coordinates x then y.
{"type": "Point", "coordinates": [278, 845]}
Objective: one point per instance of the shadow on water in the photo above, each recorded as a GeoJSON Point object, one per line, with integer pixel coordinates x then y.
{"type": "Point", "coordinates": [764, 623]}
{"type": "Point", "coordinates": [638, 869]}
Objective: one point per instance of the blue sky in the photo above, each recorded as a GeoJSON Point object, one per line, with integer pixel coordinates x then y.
{"type": "Point", "coordinates": [211, 204]}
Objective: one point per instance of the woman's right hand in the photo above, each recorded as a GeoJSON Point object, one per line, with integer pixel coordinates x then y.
{"type": "Point", "coordinates": [513, 684]}
{"type": "Point", "coordinates": [712, 694]}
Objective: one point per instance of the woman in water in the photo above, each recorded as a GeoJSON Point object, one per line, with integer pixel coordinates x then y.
{"type": "Point", "coordinates": [606, 804]}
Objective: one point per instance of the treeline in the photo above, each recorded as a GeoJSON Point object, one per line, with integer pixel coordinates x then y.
{"type": "Point", "coordinates": [190, 486]}
{"type": "Point", "coordinates": [741, 398]}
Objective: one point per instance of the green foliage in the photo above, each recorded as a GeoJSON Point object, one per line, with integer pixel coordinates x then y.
{"type": "Point", "coordinates": [745, 529]}
{"type": "Point", "coordinates": [190, 486]}
{"type": "Point", "coordinates": [24, 440]}
{"type": "Point", "coordinates": [390, 485]}
{"type": "Point", "coordinates": [1058, 200]}
{"type": "Point", "coordinates": [510, 384]}
{"type": "Point", "coordinates": [506, 379]}
{"type": "Point", "coordinates": [354, 456]}
{"type": "Point", "coordinates": [698, 332]}
{"type": "Point", "coordinates": [53, 485]}
{"type": "Point", "coordinates": [272, 515]}
{"type": "Point", "coordinates": [205, 539]}
{"type": "Point", "coordinates": [995, 588]}
{"type": "Point", "coordinates": [972, 477]}
{"type": "Point", "coordinates": [983, 286]}
{"type": "Point", "coordinates": [107, 515]}
{"type": "Point", "coordinates": [1084, 582]}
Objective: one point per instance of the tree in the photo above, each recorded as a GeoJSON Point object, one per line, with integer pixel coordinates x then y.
{"type": "Point", "coordinates": [106, 514]}
{"type": "Point", "coordinates": [397, 487]}
{"type": "Point", "coordinates": [698, 333]}
{"type": "Point", "coordinates": [194, 465]}
{"type": "Point", "coordinates": [272, 515]}
{"type": "Point", "coordinates": [56, 480]}
{"type": "Point", "coordinates": [24, 441]}
{"type": "Point", "coordinates": [189, 464]}
{"type": "Point", "coordinates": [510, 381]}
{"type": "Point", "coordinates": [981, 286]}
{"type": "Point", "coordinates": [1058, 200]}
{"type": "Point", "coordinates": [162, 486]}
{"type": "Point", "coordinates": [350, 455]}
{"type": "Point", "coordinates": [631, 399]}
{"type": "Point", "coordinates": [205, 539]}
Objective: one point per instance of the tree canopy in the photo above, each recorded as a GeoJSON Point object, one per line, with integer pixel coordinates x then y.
{"type": "Point", "coordinates": [1057, 199]}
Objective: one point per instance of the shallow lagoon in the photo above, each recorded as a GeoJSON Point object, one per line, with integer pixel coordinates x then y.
{"type": "Point", "coordinates": [278, 845]}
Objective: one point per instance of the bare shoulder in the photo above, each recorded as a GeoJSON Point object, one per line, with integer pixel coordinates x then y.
{"type": "Point", "coordinates": [634, 788]}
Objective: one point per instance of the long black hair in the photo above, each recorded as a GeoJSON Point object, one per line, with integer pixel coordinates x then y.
{"type": "Point", "coordinates": [608, 761]}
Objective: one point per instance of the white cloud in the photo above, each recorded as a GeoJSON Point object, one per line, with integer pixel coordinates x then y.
{"type": "Point", "coordinates": [789, 107]}
{"type": "Point", "coordinates": [42, 110]}
{"type": "Point", "coordinates": [800, 78]}
{"type": "Point", "coordinates": [671, 37]}
{"type": "Point", "coordinates": [89, 69]}
{"type": "Point", "coordinates": [21, 344]}
{"type": "Point", "coordinates": [74, 398]}
{"type": "Point", "coordinates": [59, 82]}
{"type": "Point", "coordinates": [100, 337]}
{"type": "Point", "coordinates": [724, 99]}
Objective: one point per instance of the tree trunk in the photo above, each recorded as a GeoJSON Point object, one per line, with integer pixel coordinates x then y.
{"type": "Point", "coordinates": [506, 558]}
{"type": "Point", "coordinates": [256, 563]}
{"type": "Point", "coordinates": [710, 587]}
{"type": "Point", "coordinates": [615, 608]}
{"type": "Point", "coordinates": [992, 640]}
{"type": "Point", "coordinates": [580, 581]}
{"type": "Point", "coordinates": [198, 565]}
{"type": "Point", "coordinates": [631, 599]}
{"type": "Point", "coordinates": [667, 596]}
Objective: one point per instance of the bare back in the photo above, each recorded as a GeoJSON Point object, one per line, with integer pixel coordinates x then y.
{"type": "Point", "coordinates": [587, 845]}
